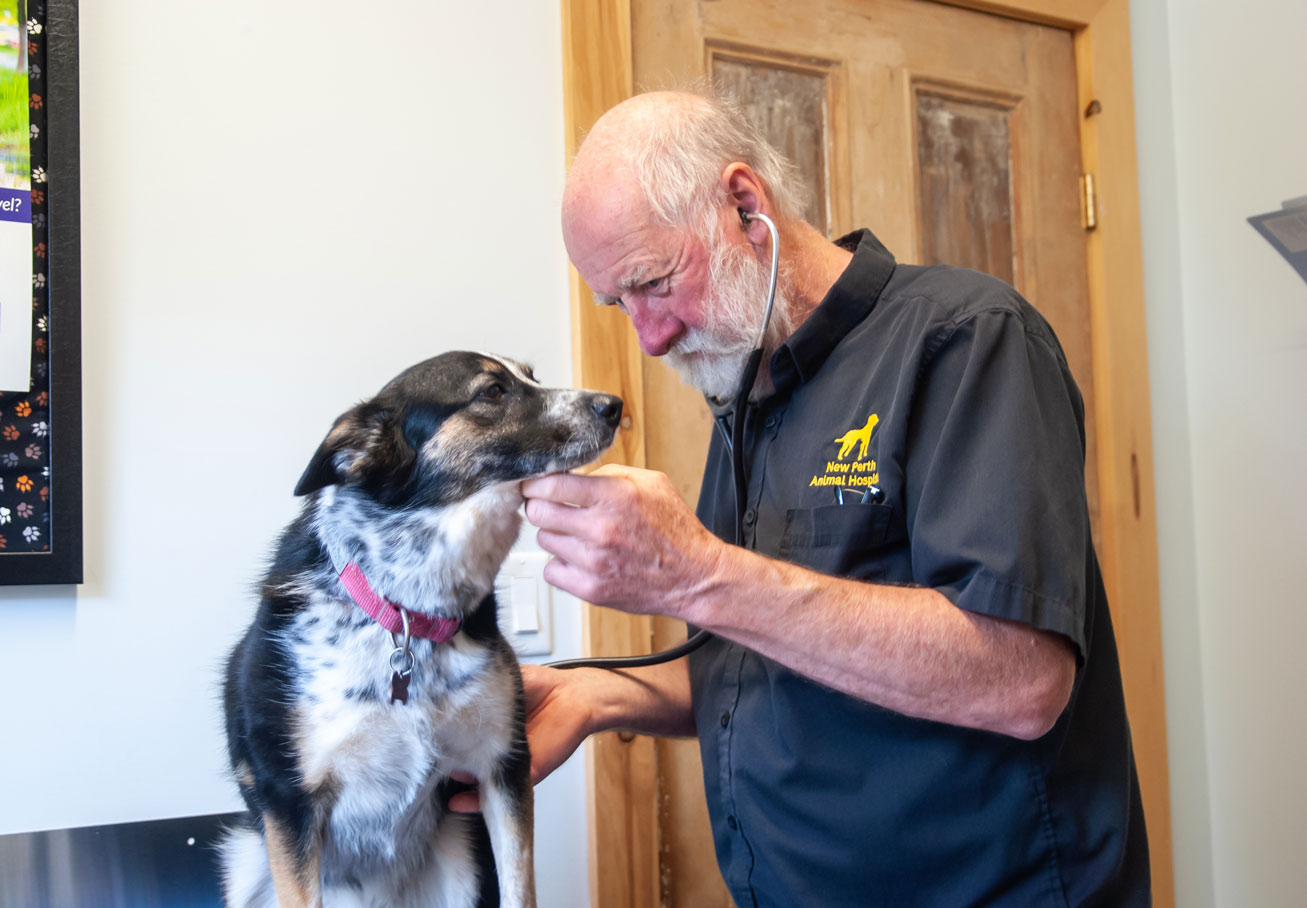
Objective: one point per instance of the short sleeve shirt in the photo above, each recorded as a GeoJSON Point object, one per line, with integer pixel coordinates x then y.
{"type": "Point", "coordinates": [924, 430]}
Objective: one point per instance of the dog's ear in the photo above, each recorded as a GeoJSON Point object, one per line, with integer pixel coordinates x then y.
{"type": "Point", "coordinates": [366, 446]}
{"type": "Point", "coordinates": [323, 469]}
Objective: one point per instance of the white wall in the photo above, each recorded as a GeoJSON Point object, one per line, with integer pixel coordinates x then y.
{"type": "Point", "coordinates": [1223, 135]}
{"type": "Point", "coordinates": [282, 205]}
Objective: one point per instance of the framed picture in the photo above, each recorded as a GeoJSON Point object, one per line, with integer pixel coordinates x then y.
{"type": "Point", "coordinates": [41, 427]}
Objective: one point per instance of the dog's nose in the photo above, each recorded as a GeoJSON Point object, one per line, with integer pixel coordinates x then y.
{"type": "Point", "coordinates": [607, 407]}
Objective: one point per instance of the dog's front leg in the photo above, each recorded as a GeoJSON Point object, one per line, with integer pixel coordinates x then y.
{"type": "Point", "coordinates": [508, 808]}
{"type": "Point", "coordinates": [297, 878]}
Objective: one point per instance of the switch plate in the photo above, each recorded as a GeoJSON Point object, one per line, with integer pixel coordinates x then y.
{"type": "Point", "coordinates": [525, 604]}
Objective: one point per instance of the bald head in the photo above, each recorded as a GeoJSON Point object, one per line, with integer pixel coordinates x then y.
{"type": "Point", "coordinates": [621, 142]}
{"type": "Point", "coordinates": [673, 146]}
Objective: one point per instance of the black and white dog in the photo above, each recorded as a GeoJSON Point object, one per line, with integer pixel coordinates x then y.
{"type": "Point", "coordinates": [375, 667]}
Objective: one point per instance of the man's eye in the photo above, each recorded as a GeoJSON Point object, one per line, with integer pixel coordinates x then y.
{"type": "Point", "coordinates": [655, 283]}
{"type": "Point", "coordinates": [492, 392]}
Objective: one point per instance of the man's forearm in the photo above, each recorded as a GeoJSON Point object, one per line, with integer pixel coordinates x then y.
{"type": "Point", "coordinates": [905, 648]}
{"type": "Point", "coordinates": [624, 538]}
{"type": "Point", "coordinates": [653, 700]}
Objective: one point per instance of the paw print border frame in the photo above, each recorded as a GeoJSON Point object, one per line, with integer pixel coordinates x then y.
{"type": "Point", "coordinates": [62, 563]}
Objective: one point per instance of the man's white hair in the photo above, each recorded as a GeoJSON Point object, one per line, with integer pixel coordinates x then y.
{"type": "Point", "coordinates": [680, 151]}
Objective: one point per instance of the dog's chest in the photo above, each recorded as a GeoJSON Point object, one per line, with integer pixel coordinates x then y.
{"type": "Point", "coordinates": [379, 762]}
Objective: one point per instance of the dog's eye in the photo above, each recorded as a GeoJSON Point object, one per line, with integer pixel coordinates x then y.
{"type": "Point", "coordinates": [492, 392]}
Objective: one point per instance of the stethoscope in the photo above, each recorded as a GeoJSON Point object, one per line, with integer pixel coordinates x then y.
{"type": "Point", "coordinates": [734, 441]}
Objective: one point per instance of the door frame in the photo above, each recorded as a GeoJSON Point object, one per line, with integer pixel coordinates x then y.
{"type": "Point", "coordinates": [597, 73]}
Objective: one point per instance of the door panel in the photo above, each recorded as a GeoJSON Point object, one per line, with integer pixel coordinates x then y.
{"type": "Point", "coordinates": [964, 176]}
{"type": "Point", "coordinates": [789, 105]}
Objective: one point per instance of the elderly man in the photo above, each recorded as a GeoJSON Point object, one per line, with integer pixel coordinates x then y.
{"type": "Point", "coordinates": [911, 694]}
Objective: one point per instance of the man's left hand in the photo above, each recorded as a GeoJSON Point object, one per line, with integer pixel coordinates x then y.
{"type": "Point", "coordinates": [622, 538]}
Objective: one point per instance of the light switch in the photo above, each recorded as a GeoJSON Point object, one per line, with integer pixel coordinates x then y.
{"type": "Point", "coordinates": [526, 608]}
{"type": "Point", "coordinates": [525, 603]}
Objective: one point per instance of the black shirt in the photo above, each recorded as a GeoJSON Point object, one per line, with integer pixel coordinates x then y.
{"type": "Point", "coordinates": [937, 405]}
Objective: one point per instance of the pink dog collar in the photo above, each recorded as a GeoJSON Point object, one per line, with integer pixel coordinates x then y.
{"type": "Point", "coordinates": [386, 613]}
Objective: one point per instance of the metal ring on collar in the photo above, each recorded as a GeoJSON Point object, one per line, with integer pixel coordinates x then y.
{"type": "Point", "coordinates": [402, 648]}
{"type": "Point", "coordinates": [404, 665]}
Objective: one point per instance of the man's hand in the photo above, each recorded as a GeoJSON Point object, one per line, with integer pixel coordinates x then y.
{"type": "Point", "coordinates": [559, 715]}
{"type": "Point", "coordinates": [622, 538]}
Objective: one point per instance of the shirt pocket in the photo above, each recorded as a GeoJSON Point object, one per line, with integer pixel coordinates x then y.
{"type": "Point", "coordinates": [842, 540]}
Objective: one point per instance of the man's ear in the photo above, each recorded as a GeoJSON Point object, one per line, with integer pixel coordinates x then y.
{"type": "Point", "coordinates": [363, 446]}
{"type": "Point", "coordinates": [746, 192]}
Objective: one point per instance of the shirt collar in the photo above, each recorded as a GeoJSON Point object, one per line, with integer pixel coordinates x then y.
{"type": "Point", "coordinates": [845, 305]}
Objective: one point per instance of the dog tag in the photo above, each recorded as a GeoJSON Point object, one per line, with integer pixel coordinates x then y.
{"type": "Point", "coordinates": [399, 687]}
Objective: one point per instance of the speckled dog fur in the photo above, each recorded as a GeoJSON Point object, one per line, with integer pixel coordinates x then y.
{"type": "Point", "coordinates": [420, 488]}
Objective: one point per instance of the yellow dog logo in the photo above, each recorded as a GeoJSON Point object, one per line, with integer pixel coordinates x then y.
{"type": "Point", "coordinates": [861, 437]}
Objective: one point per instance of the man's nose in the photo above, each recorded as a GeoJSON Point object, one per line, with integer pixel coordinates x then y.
{"type": "Point", "coordinates": [657, 328]}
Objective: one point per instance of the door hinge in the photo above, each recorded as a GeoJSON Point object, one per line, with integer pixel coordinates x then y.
{"type": "Point", "coordinates": [1089, 201]}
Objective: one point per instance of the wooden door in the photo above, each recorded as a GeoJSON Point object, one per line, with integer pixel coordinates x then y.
{"type": "Point", "coordinates": [957, 136]}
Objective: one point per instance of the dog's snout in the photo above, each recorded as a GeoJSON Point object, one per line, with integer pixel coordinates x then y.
{"type": "Point", "coordinates": [607, 407]}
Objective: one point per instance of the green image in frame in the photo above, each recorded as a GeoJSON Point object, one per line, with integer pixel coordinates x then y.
{"type": "Point", "coordinates": [15, 148]}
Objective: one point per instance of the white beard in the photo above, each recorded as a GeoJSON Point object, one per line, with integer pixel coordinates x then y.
{"type": "Point", "coordinates": [712, 359]}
